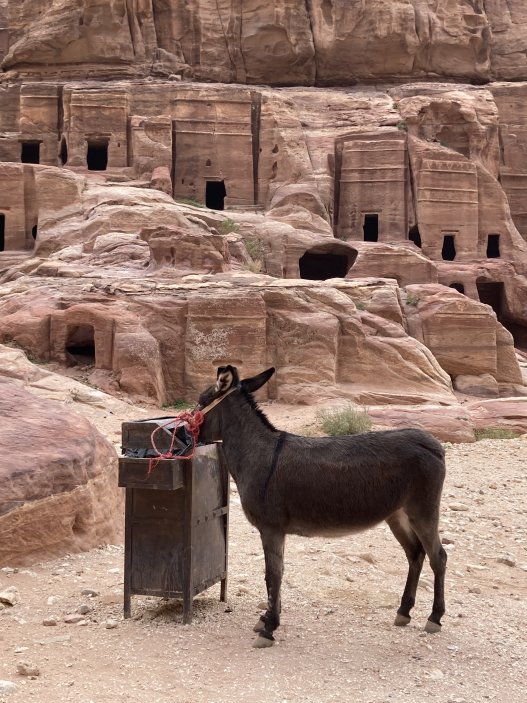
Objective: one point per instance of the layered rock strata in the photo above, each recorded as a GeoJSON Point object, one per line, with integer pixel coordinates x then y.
{"type": "Point", "coordinates": [57, 477]}
{"type": "Point", "coordinates": [319, 42]}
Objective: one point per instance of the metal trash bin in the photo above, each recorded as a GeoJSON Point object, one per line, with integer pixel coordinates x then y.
{"type": "Point", "coordinates": [176, 520]}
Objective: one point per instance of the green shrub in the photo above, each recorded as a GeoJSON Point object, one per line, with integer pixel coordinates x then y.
{"type": "Point", "coordinates": [228, 226]}
{"type": "Point", "coordinates": [412, 299]}
{"type": "Point", "coordinates": [190, 201]}
{"type": "Point", "coordinates": [255, 248]}
{"type": "Point", "coordinates": [254, 266]}
{"type": "Point", "coordinates": [402, 126]}
{"type": "Point", "coordinates": [495, 433]}
{"type": "Point", "coordinates": [178, 405]}
{"type": "Point", "coordinates": [347, 420]}
{"type": "Point", "coordinates": [256, 251]}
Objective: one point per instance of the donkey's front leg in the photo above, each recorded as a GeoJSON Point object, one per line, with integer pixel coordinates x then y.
{"type": "Point", "coordinates": [273, 543]}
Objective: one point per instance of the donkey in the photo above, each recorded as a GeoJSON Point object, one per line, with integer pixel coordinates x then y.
{"type": "Point", "coordinates": [289, 484]}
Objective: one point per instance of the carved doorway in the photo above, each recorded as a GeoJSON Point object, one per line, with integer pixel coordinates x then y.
{"type": "Point", "coordinates": [371, 228]}
{"type": "Point", "coordinates": [215, 194]}
{"type": "Point", "coordinates": [321, 267]}
{"type": "Point", "coordinates": [80, 345]}
{"type": "Point", "coordinates": [30, 152]}
{"type": "Point", "coordinates": [97, 155]}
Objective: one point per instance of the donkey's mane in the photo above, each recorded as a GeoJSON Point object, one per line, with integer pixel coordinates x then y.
{"type": "Point", "coordinates": [259, 412]}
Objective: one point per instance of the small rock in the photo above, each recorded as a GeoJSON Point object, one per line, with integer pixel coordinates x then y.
{"type": "Point", "coordinates": [111, 599]}
{"type": "Point", "coordinates": [262, 605]}
{"type": "Point", "coordinates": [506, 559]}
{"type": "Point", "coordinates": [447, 539]}
{"type": "Point", "coordinates": [52, 600]}
{"type": "Point", "coordinates": [19, 650]}
{"type": "Point", "coordinates": [53, 640]}
{"type": "Point", "coordinates": [111, 624]}
{"type": "Point", "coordinates": [242, 590]}
{"type": "Point", "coordinates": [474, 589]}
{"type": "Point", "coordinates": [27, 669]}
{"type": "Point", "coordinates": [73, 618]}
{"type": "Point", "coordinates": [115, 570]}
{"type": "Point", "coordinates": [458, 506]}
{"type": "Point", "coordinates": [49, 622]}
{"type": "Point", "coordinates": [7, 687]}
{"type": "Point", "coordinates": [84, 609]}
{"type": "Point", "coordinates": [10, 596]}
{"type": "Point", "coordinates": [434, 674]}
{"type": "Point", "coordinates": [89, 592]}
{"type": "Point", "coordinates": [368, 556]}
{"type": "Point", "coordinates": [8, 570]}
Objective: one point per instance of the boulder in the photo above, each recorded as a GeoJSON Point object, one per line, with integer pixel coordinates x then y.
{"type": "Point", "coordinates": [58, 480]}
{"type": "Point", "coordinates": [483, 385]}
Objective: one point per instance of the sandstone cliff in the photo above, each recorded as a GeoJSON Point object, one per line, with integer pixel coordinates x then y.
{"type": "Point", "coordinates": [315, 42]}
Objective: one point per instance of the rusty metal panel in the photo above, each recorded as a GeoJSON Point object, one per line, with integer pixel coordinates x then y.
{"type": "Point", "coordinates": [167, 474]}
{"type": "Point", "coordinates": [176, 527]}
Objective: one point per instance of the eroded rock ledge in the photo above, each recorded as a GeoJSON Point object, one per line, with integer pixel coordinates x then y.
{"type": "Point", "coordinates": [316, 42]}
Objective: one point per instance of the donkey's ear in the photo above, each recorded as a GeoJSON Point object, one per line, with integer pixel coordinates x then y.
{"type": "Point", "coordinates": [252, 384]}
{"type": "Point", "coordinates": [226, 378]}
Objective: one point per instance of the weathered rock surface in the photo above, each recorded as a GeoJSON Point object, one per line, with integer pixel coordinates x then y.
{"type": "Point", "coordinates": [321, 41]}
{"type": "Point", "coordinates": [162, 340]}
{"type": "Point", "coordinates": [58, 480]}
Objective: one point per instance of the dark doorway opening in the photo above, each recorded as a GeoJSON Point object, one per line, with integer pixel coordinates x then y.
{"type": "Point", "coordinates": [414, 236]}
{"type": "Point", "coordinates": [491, 294]}
{"type": "Point", "coordinates": [2, 231]}
{"type": "Point", "coordinates": [458, 286]}
{"type": "Point", "coordinates": [80, 345]}
{"type": "Point", "coordinates": [371, 228]}
{"type": "Point", "coordinates": [215, 194]}
{"type": "Point", "coordinates": [448, 253]}
{"type": "Point", "coordinates": [30, 152]}
{"type": "Point", "coordinates": [320, 267]}
{"type": "Point", "coordinates": [97, 155]}
{"type": "Point", "coordinates": [63, 151]}
{"type": "Point", "coordinates": [34, 231]}
{"type": "Point", "coordinates": [493, 246]}
{"type": "Point", "coordinates": [519, 333]}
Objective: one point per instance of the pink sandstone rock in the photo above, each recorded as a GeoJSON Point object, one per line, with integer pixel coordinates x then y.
{"type": "Point", "coordinates": [58, 479]}
{"type": "Point", "coordinates": [323, 41]}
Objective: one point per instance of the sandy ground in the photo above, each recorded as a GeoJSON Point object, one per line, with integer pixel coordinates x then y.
{"type": "Point", "coordinates": [336, 642]}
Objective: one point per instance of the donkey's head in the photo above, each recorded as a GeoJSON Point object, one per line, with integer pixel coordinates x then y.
{"type": "Point", "coordinates": [227, 383]}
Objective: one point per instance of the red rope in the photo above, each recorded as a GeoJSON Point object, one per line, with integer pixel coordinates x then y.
{"type": "Point", "coordinates": [193, 421]}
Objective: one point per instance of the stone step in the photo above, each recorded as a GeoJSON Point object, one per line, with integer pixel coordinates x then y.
{"type": "Point", "coordinates": [13, 258]}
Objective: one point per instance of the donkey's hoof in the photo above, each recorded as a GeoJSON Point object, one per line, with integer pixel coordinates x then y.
{"type": "Point", "coordinates": [432, 627]}
{"type": "Point", "coordinates": [263, 641]}
{"type": "Point", "coordinates": [401, 620]}
{"type": "Point", "coordinates": [260, 625]}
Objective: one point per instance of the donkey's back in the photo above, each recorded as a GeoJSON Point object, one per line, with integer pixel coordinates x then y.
{"type": "Point", "coordinates": [349, 483]}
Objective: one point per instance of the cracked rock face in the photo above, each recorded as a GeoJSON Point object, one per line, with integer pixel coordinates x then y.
{"type": "Point", "coordinates": [319, 42]}
{"type": "Point", "coordinates": [58, 480]}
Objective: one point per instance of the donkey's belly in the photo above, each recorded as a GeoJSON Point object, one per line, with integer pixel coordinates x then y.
{"type": "Point", "coordinates": [311, 530]}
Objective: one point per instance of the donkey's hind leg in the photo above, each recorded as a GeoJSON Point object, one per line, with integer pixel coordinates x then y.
{"type": "Point", "coordinates": [273, 543]}
{"type": "Point", "coordinates": [415, 553]}
{"type": "Point", "coordinates": [426, 529]}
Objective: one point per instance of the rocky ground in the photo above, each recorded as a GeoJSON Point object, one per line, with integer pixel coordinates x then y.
{"type": "Point", "coordinates": [64, 639]}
